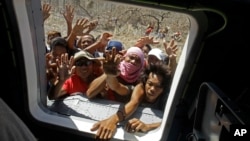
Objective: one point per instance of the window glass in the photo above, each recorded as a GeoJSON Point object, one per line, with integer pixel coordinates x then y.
{"type": "Point", "coordinates": [127, 24]}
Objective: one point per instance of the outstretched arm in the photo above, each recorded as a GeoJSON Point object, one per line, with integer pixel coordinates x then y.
{"type": "Point", "coordinates": [100, 43]}
{"type": "Point", "coordinates": [96, 86]}
{"type": "Point", "coordinates": [107, 128]}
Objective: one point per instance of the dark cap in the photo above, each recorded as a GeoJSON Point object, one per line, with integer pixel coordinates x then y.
{"type": "Point", "coordinates": [117, 44]}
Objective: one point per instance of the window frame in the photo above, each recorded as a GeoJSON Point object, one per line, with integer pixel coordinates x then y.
{"type": "Point", "coordinates": [29, 18]}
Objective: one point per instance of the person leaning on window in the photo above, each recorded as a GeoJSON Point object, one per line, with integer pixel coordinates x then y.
{"type": "Point", "coordinates": [151, 91]}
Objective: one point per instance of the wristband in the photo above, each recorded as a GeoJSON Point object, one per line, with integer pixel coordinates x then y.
{"type": "Point", "coordinates": [123, 116]}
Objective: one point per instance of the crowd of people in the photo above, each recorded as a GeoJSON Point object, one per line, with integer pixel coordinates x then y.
{"type": "Point", "coordinates": [101, 67]}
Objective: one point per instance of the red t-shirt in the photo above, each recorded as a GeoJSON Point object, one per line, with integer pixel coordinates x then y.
{"type": "Point", "coordinates": [75, 84]}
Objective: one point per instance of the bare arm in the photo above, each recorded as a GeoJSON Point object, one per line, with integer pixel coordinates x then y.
{"type": "Point", "coordinates": [79, 27]}
{"type": "Point", "coordinates": [135, 100]}
{"type": "Point", "coordinates": [110, 68]}
{"type": "Point", "coordinates": [135, 125]}
{"type": "Point", "coordinates": [171, 49]}
{"type": "Point", "coordinates": [55, 90]}
{"type": "Point", "coordinates": [96, 86]}
{"type": "Point", "coordinates": [116, 86]}
{"type": "Point", "coordinates": [106, 128]}
{"type": "Point", "coordinates": [100, 43]}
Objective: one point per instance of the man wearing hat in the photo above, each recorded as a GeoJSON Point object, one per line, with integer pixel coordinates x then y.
{"type": "Point", "coordinates": [75, 75]}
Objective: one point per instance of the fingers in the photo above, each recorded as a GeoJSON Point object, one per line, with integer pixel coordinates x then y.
{"type": "Point", "coordinates": [174, 49]}
{"type": "Point", "coordinates": [68, 13]}
{"type": "Point", "coordinates": [107, 35]}
{"type": "Point", "coordinates": [103, 134]}
{"type": "Point", "coordinates": [95, 126]}
{"type": "Point", "coordinates": [64, 59]}
{"type": "Point", "coordinates": [46, 7]}
{"type": "Point", "coordinates": [70, 8]}
{"type": "Point", "coordinates": [106, 134]}
{"type": "Point", "coordinates": [117, 59]}
{"type": "Point", "coordinates": [131, 126]}
{"type": "Point", "coordinates": [93, 24]}
{"type": "Point", "coordinates": [171, 42]}
{"type": "Point", "coordinates": [171, 48]}
{"type": "Point", "coordinates": [48, 57]}
{"type": "Point", "coordinates": [113, 53]}
{"type": "Point", "coordinates": [82, 22]}
{"type": "Point", "coordinates": [71, 61]}
{"type": "Point", "coordinates": [107, 56]}
{"type": "Point", "coordinates": [73, 70]}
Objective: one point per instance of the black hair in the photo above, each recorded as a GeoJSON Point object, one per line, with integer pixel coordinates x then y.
{"type": "Point", "coordinates": [90, 35]}
{"type": "Point", "coordinates": [158, 69]}
{"type": "Point", "coordinates": [58, 41]}
{"type": "Point", "coordinates": [79, 40]}
{"type": "Point", "coordinates": [148, 46]}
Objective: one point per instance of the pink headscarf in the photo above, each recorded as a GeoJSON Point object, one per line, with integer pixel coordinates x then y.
{"type": "Point", "coordinates": [129, 72]}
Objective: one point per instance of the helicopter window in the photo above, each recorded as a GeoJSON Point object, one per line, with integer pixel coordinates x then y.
{"type": "Point", "coordinates": [127, 23]}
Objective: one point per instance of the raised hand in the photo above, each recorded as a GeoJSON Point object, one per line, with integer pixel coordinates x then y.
{"type": "Point", "coordinates": [51, 69]}
{"type": "Point", "coordinates": [104, 39]}
{"type": "Point", "coordinates": [92, 25]}
{"type": "Point", "coordinates": [145, 40]}
{"type": "Point", "coordinates": [111, 63]}
{"type": "Point", "coordinates": [171, 49]}
{"type": "Point", "coordinates": [65, 67]}
{"type": "Point", "coordinates": [68, 13]}
{"type": "Point", "coordinates": [80, 26]}
{"type": "Point", "coordinates": [46, 11]}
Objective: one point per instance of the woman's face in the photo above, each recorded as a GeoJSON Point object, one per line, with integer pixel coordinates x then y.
{"type": "Point", "coordinates": [153, 87]}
